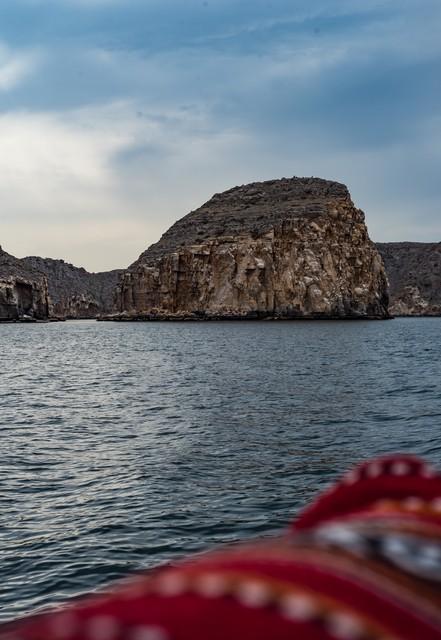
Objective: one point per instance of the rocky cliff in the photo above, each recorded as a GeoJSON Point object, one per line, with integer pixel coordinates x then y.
{"type": "Point", "coordinates": [293, 248]}
{"type": "Point", "coordinates": [414, 271]}
{"type": "Point", "coordinates": [74, 292]}
{"type": "Point", "coordinates": [23, 291]}
{"type": "Point", "coordinates": [43, 288]}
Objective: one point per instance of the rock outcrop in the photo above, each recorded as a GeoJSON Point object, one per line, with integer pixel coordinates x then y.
{"type": "Point", "coordinates": [23, 291]}
{"type": "Point", "coordinates": [73, 291]}
{"type": "Point", "coordinates": [290, 248]}
{"type": "Point", "coordinates": [414, 272]}
{"type": "Point", "coordinates": [42, 288]}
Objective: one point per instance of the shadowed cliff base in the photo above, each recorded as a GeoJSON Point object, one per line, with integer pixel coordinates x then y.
{"type": "Point", "coordinates": [291, 248]}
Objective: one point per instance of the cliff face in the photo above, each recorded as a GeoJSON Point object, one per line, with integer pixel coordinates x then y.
{"type": "Point", "coordinates": [414, 271]}
{"type": "Point", "coordinates": [42, 288]}
{"type": "Point", "coordinates": [23, 290]}
{"type": "Point", "coordinates": [283, 248]}
{"type": "Point", "coordinates": [73, 292]}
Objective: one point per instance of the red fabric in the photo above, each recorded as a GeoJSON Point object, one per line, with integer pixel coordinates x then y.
{"type": "Point", "coordinates": [361, 563]}
{"type": "Point", "coordinates": [345, 498]}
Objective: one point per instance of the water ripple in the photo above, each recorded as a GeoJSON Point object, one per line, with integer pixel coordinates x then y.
{"type": "Point", "coordinates": [128, 445]}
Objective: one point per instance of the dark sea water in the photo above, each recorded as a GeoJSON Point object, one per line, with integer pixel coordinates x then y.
{"type": "Point", "coordinates": [126, 445]}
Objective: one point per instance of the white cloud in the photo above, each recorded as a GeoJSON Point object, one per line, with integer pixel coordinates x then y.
{"type": "Point", "coordinates": [96, 186]}
{"type": "Point", "coordinates": [15, 66]}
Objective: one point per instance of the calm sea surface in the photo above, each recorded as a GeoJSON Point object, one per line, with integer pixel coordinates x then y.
{"type": "Point", "coordinates": [126, 445]}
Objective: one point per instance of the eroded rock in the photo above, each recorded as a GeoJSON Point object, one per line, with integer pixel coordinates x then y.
{"type": "Point", "coordinates": [283, 248]}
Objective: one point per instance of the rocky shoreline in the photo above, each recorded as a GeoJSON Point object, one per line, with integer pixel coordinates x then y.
{"type": "Point", "coordinates": [178, 317]}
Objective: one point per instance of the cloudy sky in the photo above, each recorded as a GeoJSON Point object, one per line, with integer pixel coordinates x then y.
{"type": "Point", "coordinates": [119, 116]}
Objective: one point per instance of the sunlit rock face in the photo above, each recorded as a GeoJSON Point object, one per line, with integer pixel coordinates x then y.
{"type": "Point", "coordinates": [414, 272]}
{"type": "Point", "coordinates": [23, 291]}
{"type": "Point", "coordinates": [290, 248]}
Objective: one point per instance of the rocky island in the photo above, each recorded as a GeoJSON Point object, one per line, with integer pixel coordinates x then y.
{"type": "Point", "coordinates": [289, 248]}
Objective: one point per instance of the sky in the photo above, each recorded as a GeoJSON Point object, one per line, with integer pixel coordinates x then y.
{"type": "Point", "coordinates": [118, 117]}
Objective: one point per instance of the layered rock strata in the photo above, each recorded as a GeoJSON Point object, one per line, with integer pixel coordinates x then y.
{"type": "Point", "coordinates": [414, 272]}
{"type": "Point", "coordinates": [23, 291]}
{"type": "Point", "coordinates": [290, 248]}
{"type": "Point", "coordinates": [74, 292]}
